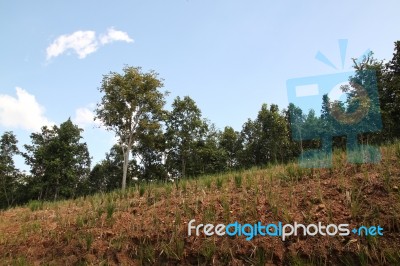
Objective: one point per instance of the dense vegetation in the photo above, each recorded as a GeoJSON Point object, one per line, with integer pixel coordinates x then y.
{"type": "Point", "coordinates": [155, 144]}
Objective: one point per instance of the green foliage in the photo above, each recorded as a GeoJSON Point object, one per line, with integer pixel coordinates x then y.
{"type": "Point", "coordinates": [181, 143]}
{"type": "Point", "coordinates": [20, 261]}
{"type": "Point", "coordinates": [110, 207]}
{"type": "Point", "coordinates": [35, 205]}
{"type": "Point", "coordinates": [150, 149]}
{"type": "Point", "coordinates": [131, 103]}
{"type": "Point", "coordinates": [146, 252]}
{"type": "Point", "coordinates": [88, 240]}
{"type": "Point", "coordinates": [183, 184]}
{"type": "Point", "coordinates": [238, 180]}
{"type": "Point", "coordinates": [59, 162]}
{"type": "Point", "coordinates": [142, 189]}
{"type": "Point", "coordinates": [207, 182]}
{"type": "Point", "coordinates": [209, 214]}
{"type": "Point", "coordinates": [193, 144]}
{"type": "Point", "coordinates": [106, 175]}
{"type": "Point", "coordinates": [293, 173]}
{"type": "Point", "coordinates": [218, 182]}
{"type": "Point", "coordinates": [230, 142]}
{"type": "Point", "coordinates": [9, 175]}
{"type": "Point", "coordinates": [83, 220]}
{"type": "Point", "coordinates": [389, 95]}
{"type": "Point", "coordinates": [266, 139]}
{"type": "Point", "coordinates": [208, 249]}
{"type": "Point", "coordinates": [185, 130]}
{"type": "Point", "coordinates": [168, 190]}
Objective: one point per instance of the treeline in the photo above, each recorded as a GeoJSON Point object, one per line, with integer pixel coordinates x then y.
{"type": "Point", "coordinates": [155, 144]}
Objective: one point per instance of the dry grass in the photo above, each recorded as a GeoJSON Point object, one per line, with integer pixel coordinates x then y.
{"type": "Point", "coordinates": [147, 224]}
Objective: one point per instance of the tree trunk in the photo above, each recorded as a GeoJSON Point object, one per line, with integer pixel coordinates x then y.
{"type": "Point", "coordinates": [5, 194]}
{"type": "Point", "coordinates": [301, 146]}
{"type": "Point", "coordinates": [125, 167]}
{"type": "Point", "coordinates": [183, 164]}
{"type": "Point", "coordinates": [183, 167]}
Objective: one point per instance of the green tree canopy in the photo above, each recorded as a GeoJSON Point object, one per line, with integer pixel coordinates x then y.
{"type": "Point", "coordinates": [130, 101]}
{"type": "Point", "coordinates": [8, 172]}
{"type": "Point", "coordinates": [185, 128]}
{"type": "Point", "coordinates": [59, 162]}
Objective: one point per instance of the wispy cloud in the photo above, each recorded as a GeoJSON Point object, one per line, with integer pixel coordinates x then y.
{"type": "Point", "coordinates": [113, 35]}
{"type": "Point", "coordinates": [22, 112]}
{"type": "Point", "coordinates": [84, 43]}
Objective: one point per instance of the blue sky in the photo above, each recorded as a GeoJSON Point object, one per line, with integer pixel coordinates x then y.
{"type": "Point", "coordinates": [229, 56]}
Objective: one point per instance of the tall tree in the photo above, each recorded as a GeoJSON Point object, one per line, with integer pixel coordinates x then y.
{"type": "Point", "coordinates": [266, 139]}
{"type": "Point", "coordinates": [211, 156]}
{"type": "Point", "coordinates": [363, 101]}
{"type": "Point", "coordinates": [129, 99]}
{"type": "Point", "coordinates": [249, 154]}
{"type": "Point", "coordinates": [150, 150]}
{"type": "Point", "coordinates": [295, 120]}
{"type": "Point", "coordinates": [390, 95]}
{"type": "Point", "coordinates": [185, 128]}
{"type": "Point", "coordinates": [59, 162]}
{"type": "Point", "coordinates": [265, 125]}
{"type": "Point", "coordinates": [229, 141]}
{"type": "Point", "coordinates": [8, 172]}
{"type": "Point", "coordinates": [274, 138]}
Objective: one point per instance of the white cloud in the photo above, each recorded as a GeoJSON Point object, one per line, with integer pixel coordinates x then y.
{"type": "Point", "coordinates": [85, 117]}
{"type": "Point", "coordinates": [114, 35]}
{"type": "Point", "coordinates": [22, 112]}
{"type": "Point", "coordinates": [84, 43]}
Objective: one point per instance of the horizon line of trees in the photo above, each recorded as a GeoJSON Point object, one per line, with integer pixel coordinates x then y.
{"type": "Point", "coordinates": [155, 144]}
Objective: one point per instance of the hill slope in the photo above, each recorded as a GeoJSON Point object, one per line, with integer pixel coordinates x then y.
{"type": "Point", "coordinates": [148, 224]}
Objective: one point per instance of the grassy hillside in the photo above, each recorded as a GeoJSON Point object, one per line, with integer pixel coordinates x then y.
{"type": "Point", "coordinates": [148, 223]}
